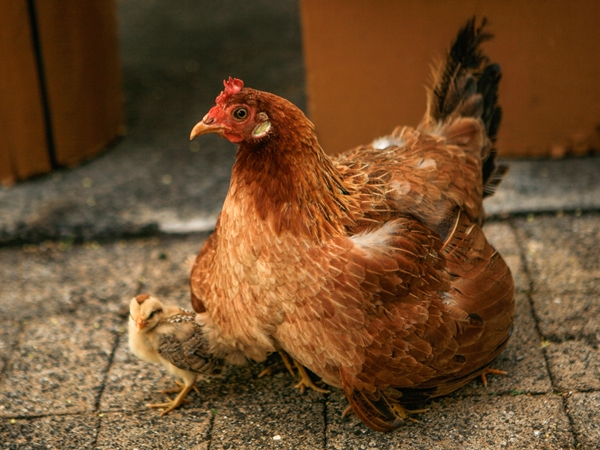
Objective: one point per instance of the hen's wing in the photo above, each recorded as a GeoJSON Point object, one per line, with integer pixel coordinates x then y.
{"type": "Point", "coordinates": [202, 265]}
{"type": "Point", "coordinates": [466, 330]}
{"type": "Point", "coordinates": [180, 341]}
{"type": "Point", "coordinates": [400, 316]}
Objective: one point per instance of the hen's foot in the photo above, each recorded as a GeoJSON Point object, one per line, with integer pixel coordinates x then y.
{"type": "Point", "coordinates": [347, 411]}
{"type": "Point", "coordinates": [173, 404]}
{"type": "Point", "coordinates": [306, 381]}
{"type": "Point", "coordinates": [406, 413]}
{"type": "Point", "coordinates": [490, 372]}
{"type": "Point", "coordinates": [400, 410]}
{"type": "Point", "coordinates": [274, 367]}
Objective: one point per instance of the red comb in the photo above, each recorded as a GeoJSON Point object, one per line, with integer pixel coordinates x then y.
{"type": "Point", "coordinates": [232, 86]}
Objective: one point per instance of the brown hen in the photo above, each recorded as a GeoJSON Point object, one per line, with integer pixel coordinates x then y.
{"type": "Point", "coordinates": [371, 268]}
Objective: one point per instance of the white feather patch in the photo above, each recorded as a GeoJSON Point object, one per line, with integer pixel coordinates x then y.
{"type": "Point", "coordinates": [379, 237]}
{"type": "Point", "coordinates": [387, 141]}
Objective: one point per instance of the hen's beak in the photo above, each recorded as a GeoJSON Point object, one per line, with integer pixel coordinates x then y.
{"type": "Point", "coordinates": [205, 126]}
{"type": "Point", "coordinates": [140, 324]}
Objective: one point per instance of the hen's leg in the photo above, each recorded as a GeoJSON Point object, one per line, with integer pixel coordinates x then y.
{"type": "Point", "coordinates": [305, 381]}
{"type": "Point", "coordinates": [286, 362]}
{"type": "Point", "coordinates": [400, 410]}
{"type": "Point", "coordinates": [489, 371]}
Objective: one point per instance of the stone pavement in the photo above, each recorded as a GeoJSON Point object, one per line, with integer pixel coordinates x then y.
{"type": "Point", "coordinates": [67, 379]}
{"type": "Point", "coordinates": [77, 244]}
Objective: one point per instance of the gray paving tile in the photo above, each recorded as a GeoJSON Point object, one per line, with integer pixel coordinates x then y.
{"type": "Point", "coordinates": [9, 334]}
{"type": "Point", "coordinates": [57, 367]}
{"type": "Point", "coordinates": [106, 273]}
{"type": "Point", "coordinates": [55, 277]}
{"type": "Point", "coordinates": [567, 315]}
{"type": "Point", "coordinates": [168, 266]}
{"type": "Point", "coordinates": [11, 286]}
{"type": "Point", "coordinates": [146, 430]}
{"type": "Point", "coordinates": [584, 409]}
{"type": "Point", "coordinates": [247, 389]}
{"type": "Point", "coordinates": [502, 236]}
{"type": "Point", "coordinates": [563, 253]}
{"type": "Point", "coordinates": [32, 283]}
{"type": "Point", "coordinates": [53, 432]}
{"type": "Point", "coordinates": [298, 426]}
{"type": "Point", "coordinates": [574, 365]}
{"type": "Point", "coordinates": [519, 422]}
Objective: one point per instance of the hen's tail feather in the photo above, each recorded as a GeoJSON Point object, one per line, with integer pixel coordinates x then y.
{"type": "Point", "coordinates": [466, 85]}
{"type": "Point", "coordinates": [456, 82]}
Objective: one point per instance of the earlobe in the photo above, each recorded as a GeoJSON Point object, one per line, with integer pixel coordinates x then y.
{"type": "Point", "coordinates": [261, 129]}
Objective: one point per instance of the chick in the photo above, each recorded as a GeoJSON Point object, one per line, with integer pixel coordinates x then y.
{"type": "Point", "coordinates": [170, 336]}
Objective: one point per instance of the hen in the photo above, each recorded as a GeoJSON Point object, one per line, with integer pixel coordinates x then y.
{"type": "Point", "coordinates": [172, 337]}
{"type": "Point", "coordinates": [371, 268]}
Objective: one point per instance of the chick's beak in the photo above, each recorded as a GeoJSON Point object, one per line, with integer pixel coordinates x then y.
{"type": "Point", "coordinates": [205, 126]}
{"type": "Point", "coordinates": [140, 324]}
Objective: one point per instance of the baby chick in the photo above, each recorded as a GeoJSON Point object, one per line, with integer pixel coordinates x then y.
{"type": "Point", "coordinates": [170, 336]}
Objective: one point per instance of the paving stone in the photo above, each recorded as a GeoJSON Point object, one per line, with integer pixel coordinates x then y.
{"type": "Point", "coordinates": [519, 422]}
{"type": "Point", "coordinates": [57, 367]}
{"type": "Point", "coordinates": [574, 365]}
{"type": "Point", "coordinates": [32, 283]}
{"type": "Point", "coordinates": [279, 388]}
{"type": "Point", "coordinates": [168, 266]}
{"type": "Point", "coordinates": [297, 426]}
{"type": "Point", "coordinates": [568, 315]}
{"type": "Point", "coordinates": [9, 334]}
{"type": "Point", "coordinates": [11, 286]}
{"type": "Point", "coordinates": [563, 253]}
{"type": "Point", "coordinates": [502, 236]}
{"type": "Point", "coordinates": [53, 432]}
{"type": "Point", "coordinates": [147, 430]}
{"type": "Point", "coordinates": [106, 274]}
{"type": "Point", "coordinates": [584, 409]}
{"type": "Point", "coordinates": [56, 277]}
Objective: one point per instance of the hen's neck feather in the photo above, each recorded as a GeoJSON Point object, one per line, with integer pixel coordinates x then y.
{"type": "Point", "coordinates": [291, 182]}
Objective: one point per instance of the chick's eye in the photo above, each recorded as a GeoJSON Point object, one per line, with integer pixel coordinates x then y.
{"type": "Point", "coordinates": [240, 113]}
{"type": "Point", "coordinates": [154, 312]}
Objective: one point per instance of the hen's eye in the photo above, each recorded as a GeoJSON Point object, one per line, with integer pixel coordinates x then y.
{"type": "Point", "coordinates": [240, 113]}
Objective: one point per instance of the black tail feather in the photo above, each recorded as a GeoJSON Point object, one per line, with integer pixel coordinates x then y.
{"type": "Point", "coordinates": [467, 86]}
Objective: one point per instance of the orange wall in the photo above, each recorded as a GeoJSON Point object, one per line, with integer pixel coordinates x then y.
{"type": "Point", "coordinates": [368, 61]}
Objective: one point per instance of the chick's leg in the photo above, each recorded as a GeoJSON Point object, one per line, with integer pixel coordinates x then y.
{"type": "Point", "coordinates": [189, 379]}
{"type": "Point", "coordinates": [175, 390]}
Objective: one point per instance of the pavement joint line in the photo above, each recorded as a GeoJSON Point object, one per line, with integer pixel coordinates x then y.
{"type": "Point", "coordinates": [111, 358]}
{"type": "Point", "coordinates": [536, 320]}
{"type": "Point", "coordinates": [8, 357]}
{"type": "Point", "coordinates": [325, 423]}
{"type": "Point", "coordinates": [211, 425]}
